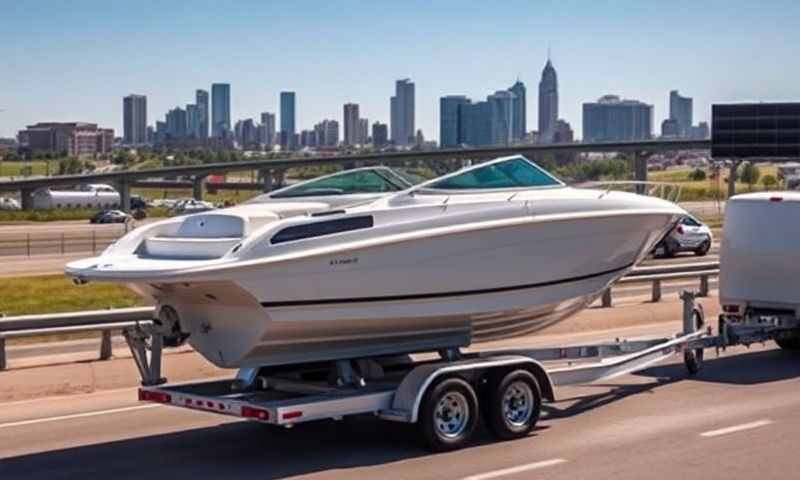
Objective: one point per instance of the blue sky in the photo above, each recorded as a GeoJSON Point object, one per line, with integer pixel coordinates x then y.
{"type": "Point", "coordinates": [76, 60]}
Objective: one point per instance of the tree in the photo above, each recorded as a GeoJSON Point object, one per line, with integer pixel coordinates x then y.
{"type": "Point", "coordinates": [769, 181]}
{"type": "Point", "coordinates": [750, 174]}
{"type": "Point", "coordinates": [69, 165]}
{"type": "Point", "coordinates": [697, 175]}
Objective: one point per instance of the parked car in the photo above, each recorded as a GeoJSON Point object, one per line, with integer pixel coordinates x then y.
{"type": "Point", "coordinates": [689, 235]}
{"type": "Point", "coordinates": [110, 216]}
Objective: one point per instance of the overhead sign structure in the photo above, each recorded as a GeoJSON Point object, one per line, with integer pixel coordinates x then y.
{"type": "Point", "coordinates": [755, 130]}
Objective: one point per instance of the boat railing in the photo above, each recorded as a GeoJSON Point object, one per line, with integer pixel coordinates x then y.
{"type": "Point", "coordinates": [664, 190]}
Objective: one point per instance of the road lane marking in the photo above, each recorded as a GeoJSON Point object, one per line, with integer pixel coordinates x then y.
{"type": "Point", "coordinates": [75, 415]}
{"type": "Point", "coordinates": [517, 469]}
{"type": "Point", "coordinates": [736, 428]}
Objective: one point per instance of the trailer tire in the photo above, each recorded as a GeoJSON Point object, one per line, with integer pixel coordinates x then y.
{"type": "Point", "coordinates": [514, 402]}
{"type": "Point", "coordinates": [449, 414]}
{"type": "Point", "coordinates": [791, 344]}
{"type": "Point", "coordinates": [693, 359]}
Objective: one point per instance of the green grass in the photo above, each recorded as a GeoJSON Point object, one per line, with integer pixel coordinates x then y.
{"type": "Point", "coordinates": [15, 169]}
{"type": "Point", "coordinates": [235, 196]}
{"type": "Point", "coordinates": [708, 189]}
{"type": "Point", "coordinates": [56, 293]}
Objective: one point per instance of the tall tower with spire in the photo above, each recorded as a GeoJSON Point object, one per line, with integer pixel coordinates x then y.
{"type": "Point", "coordinates": [548, 102]}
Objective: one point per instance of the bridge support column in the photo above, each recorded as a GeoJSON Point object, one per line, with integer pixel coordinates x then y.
{"type": "Point", "coordinates": [266, 178]}
{"type": "Point", "coordinates": [26, 198]}
{"type": "Point", "coordinates": [640, 171]}
{"type": "Point", "coordinates": [124, 189]}
{"type": "Point", "coordinates": [279, 177]}
{"type": "Point", "coordinates": [198, 183]}
{"type": "Point", "coordinates": [732, 176]}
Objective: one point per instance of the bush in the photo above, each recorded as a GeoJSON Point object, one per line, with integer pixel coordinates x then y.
{"type": "Point", "coordinates": [697, 175]}
{"type": "Point", "coordinates": [769, 181]}
{"type": "Point", "coordinates": [750, 174]}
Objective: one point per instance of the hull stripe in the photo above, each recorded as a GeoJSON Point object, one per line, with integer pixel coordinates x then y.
{"type": "Point", "coordinates": [422, 296]}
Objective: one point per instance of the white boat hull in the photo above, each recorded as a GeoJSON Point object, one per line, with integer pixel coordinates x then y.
{"type": "Point", "coordinates": [438, 292]}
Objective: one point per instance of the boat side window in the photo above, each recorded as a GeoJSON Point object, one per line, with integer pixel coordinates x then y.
{"type": "Point", "coordinates": [319, 229]}
{"type": "Point", "coordinates": [360, 181]}
{"type": "Point", "coordinates": [514, 173]}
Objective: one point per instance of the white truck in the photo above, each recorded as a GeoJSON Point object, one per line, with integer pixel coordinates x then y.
{"type": "Point", "coordinates": [759, 288]}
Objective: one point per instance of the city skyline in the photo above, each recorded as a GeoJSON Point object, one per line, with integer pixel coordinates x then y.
{"type": "Point", "coordinates": [646, 63]}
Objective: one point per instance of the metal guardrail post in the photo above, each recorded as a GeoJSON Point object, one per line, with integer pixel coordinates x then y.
{"type": "Point", "coordinates": [656, 290]}
{"type": "Point", "coordinates": [105, 345]}
{"type": "Point", "coordinates": [94, 241]}
{"type": "Point", "coordinates": [2, 354]}
{"type": "Point", "coordinates": [28, 244]}
{"type": "Point", "coordinates": [703, 286]}
{"type": "Point", "coordinates": [607, 298]}
{"type": "Point", "coordinates": [62, 243]}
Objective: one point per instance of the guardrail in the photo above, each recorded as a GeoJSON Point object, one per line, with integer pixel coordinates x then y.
{"type": "Point", "coordinates": [29, 244]}
{"type": "Point", "coordinates": [107, 321]}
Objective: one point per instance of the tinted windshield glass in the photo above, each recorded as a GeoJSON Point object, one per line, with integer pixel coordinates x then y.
{"type": "Point", "coordinates": [513, 173]}
{"type": "Point", "coordinates": [360, 181]}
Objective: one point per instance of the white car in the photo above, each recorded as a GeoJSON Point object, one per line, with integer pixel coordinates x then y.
{"type": "Point", "coordinates": [689, 235]}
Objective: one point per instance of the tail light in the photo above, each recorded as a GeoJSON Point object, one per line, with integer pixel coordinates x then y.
{"type": "Point", "coordinates": [679, 229]}
{"type": "Point", "coordinates": [257, 413]}
{"type": "Point", "coordinates": [158, 397]}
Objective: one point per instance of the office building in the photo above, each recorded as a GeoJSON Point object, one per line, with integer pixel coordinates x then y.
{"type": "Point", "coordinates": [475, 124]}
{"type": "Point", "coordinates": [220, 110]}
{"type": "Point", "coordinates": [192, 121]}
{"type": "Point", "coordinates": [75, 139]}
{"type": "Point", "coordinates": [380, 134]}
{"type": "Point", "coordinates": [519, 110]}
{"type": "Point", "coordinates": [670, 128]}
{"type": "Point", "coordinates": [548, 103]}
{"type": "Point", "coordinates": [177, 124]}
{"type": "Point", "coordinates": [402, 113]}
{"type": "Point", "coordinates": [363, 131]}
{"type": "Point", "coordinates": [288, 113]}
{"type": "Point", "coordinates": [201, 100]}
{"type": "Point", "coordinates": [611, 119]}
{"type": "Point", "coordinates": [680, 110]}
{"type": "Point", "coordinates": [501, 117]}
{"type": "Point", "coordinates": [563, 132]}
{"type": "Point", "coordinates": [134, 120]}
{"type": "Point", "coordinates": [350, 120]}
{"type": "Point", "coordinates": [700, 131]}
{"type": "Point", "coordinates": [449, 120]}
{"type": "Point", "coordinates": [268, 128]}
{"type": "Point", "coordinates": [327, 132]}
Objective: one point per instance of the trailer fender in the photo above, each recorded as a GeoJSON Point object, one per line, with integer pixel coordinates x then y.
{"type": "Point", "coordinates": [409, 394]}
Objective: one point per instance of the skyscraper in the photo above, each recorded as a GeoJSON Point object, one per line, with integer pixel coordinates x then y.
{"type": "Point", "coordinates": [268, 128]}
{"type": "Point", "coordinates": [611, 119]}
{"type": "Point", "coordinates": [363, 131]}
{"type": "Point", "coordinates": [449, 124]}
{"type": "Point", "coordinates": [475, 124]}
{"type": "Point", "coordinates": [221, 109]}
{"type": "Point", "coordinates": [548, 103]}
{"type": "Point", "coordinates": [201, 100]}
{"type": "Point", "coordinates": [402, 113]}
{"type": "Point", "coordinates": [520, 111]}
{"type": "Point", "coordinates": [680, 110]}
{"type": "Point", "coordinates": [350, 120]}
{"type": "Point", "coordinates": [380, 134]}
{"type": "Point", "coordinates": [501, 115]}
{"type": "Point", "coordinates": [327, 133]}
{"type": "Point", "coordinates": [134, 119]}
{"type": "Point", "coordinates": [287, 113]}
{"type": "Point", "coordinates": [176, 124]}
{"type": "Point", "coordinates": [192, 121]}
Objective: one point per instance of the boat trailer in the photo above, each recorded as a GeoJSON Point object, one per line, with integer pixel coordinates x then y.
{"type": "Point", "coordinates": [440, 394]}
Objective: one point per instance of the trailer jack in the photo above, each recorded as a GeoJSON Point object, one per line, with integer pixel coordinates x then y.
{"type": "Point", "coordinates": [146, 345]}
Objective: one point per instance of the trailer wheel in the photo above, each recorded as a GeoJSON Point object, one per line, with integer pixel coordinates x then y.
{"type": "Point", "coordinates": [693, 359]}
{"type": "Point", "coordinates": [449, 414]}
{"type": "Point", "coordinates": [792, 344]}
{"type": "Point", "coordinates": [514, 404]}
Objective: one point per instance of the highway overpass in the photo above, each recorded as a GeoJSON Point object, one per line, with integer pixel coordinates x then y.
{"type": "Point", "coordinates": [272, 170]}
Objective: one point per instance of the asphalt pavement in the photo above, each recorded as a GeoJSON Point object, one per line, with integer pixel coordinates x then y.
{"type": "Point", "coordinates": [736, 419]}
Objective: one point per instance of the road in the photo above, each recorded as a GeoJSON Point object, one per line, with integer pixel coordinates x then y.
{"type": "Point", "coordinates": [737, 419]}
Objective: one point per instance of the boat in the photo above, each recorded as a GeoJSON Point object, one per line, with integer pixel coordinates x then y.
{"type": "Point", "coordinates": [496, 250]}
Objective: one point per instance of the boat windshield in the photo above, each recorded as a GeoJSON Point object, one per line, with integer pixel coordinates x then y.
{"type": "Point", "coordinates": [516, 172]}
{"type": "Point", "coordinates": [345, 183]}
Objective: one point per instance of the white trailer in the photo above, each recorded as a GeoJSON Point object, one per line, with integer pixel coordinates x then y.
{"type": "Point", "coordinates": [86, 196]}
